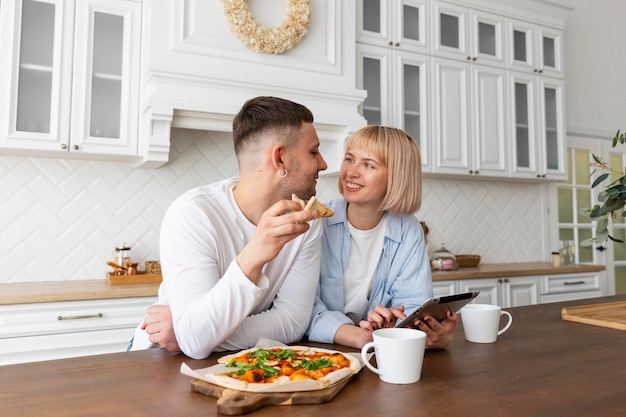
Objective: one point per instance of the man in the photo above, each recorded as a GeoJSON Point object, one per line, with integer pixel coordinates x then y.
{"type": "Point", "coordinates": [240, 260]}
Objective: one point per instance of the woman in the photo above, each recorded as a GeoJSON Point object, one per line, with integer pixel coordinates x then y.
{"type": "Point", "coordinates": [374, 259]}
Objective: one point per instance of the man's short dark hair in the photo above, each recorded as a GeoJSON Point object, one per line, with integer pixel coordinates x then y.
{"type": "Point", "coordinates": [264, 114]}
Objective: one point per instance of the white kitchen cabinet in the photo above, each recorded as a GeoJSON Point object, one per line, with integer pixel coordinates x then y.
{"type": "Point", "coordinates": [537, 126]}
{"type": "Point", "coordinates": [474, 121]}
{"type": "Point", "coordinates": [443, 288]}
{"type": "Point", "coordinates": [398, 91]}
{"type": "Point", "coordinates": [70, 77]}
{"type": "Point", "coordinates": [505, 292]}
{"type": "Point", "coordinates": [466, 34]}
{"type": "Point", "coordinates": [566, 287]}
{"type": "Point", "coordinates": [489, 290]}
{"type": "Point", "coordinates": [400, 24]}
{"type": "Point", "coordinates": [521, 291]}
{"type": "Point", "coordinates": [527, 290]}
{"type": "Point", "coordinates": [45, 331]}
{"type": "Point", "coordinates": [469, 113]}
{"type": "Point", "coordinates": [534, 48]}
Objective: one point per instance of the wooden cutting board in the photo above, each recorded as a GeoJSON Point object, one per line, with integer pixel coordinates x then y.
{"type": "Point", "coordinates": [232, 402]}
{"type": "Point", "coordinates": [612, 315]}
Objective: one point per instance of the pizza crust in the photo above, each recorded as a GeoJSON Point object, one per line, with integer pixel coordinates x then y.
{"type": "Point", "coordinates": [214, 374]}
{"type": "Point", "coordinates": [314, 204]}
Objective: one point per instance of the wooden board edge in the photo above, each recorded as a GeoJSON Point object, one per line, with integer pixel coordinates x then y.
{"type": "Point", "coordinates": [232, 402]}
{"type": "Point", "coordinates": [569, 315]}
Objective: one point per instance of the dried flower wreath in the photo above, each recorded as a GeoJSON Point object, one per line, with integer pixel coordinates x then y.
{"type": "Point", "coordinates": [275, 40]}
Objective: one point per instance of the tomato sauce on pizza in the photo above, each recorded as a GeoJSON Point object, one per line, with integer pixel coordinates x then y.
{"type": "Point", "coordinates": [269, 365]}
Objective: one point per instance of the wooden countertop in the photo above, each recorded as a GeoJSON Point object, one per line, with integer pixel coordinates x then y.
{"type": "Point", "coordinates": [41, 292]}
{"type": "Point", "coordinates": [541, 366]}
{"type": "Point", "coordinates": [514, 270]}
{"type": "Point", "coordinates": [51, 291]}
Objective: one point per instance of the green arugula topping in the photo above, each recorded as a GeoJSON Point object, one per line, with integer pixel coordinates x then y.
{"type": "Point", "coordinates": [316, 364]}
{"type": "Point", "coordinates": [242, 368]}
{"type": "Point", "coordinates": [263, 355]}
{"type": "Point", "coordinates": [286, 354]}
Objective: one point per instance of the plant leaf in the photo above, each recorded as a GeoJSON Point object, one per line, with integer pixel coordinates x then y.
{"type": "Point", "coordinates": [600, 179]}
{"type": "Point", "coordinates": [588, 242]}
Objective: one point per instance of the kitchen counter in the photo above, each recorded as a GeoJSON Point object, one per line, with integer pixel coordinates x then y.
{"type": "Point", "coordinates": [39, 292]}
{"type": "Point", "coordinates": [518, 269]}
{"type": "Point", "coordinates": [52, 291]}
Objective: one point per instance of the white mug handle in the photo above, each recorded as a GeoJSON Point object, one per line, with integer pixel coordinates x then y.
{"type": "Point", "coordinates": [508, 324]}
{"type": "Point", "coordinates": [366, 361]}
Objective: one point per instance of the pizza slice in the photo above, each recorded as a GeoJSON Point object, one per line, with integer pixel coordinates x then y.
{"type": "Point", "coordinates": [314, 204]}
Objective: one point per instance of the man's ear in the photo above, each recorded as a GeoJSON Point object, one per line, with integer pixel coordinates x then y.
{"type": "Point", "coordinates": [277, 155]}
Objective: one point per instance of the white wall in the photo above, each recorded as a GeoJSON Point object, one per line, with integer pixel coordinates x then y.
{"type": "Point", "coordinates": [60, 219]}
{"type": "Point", "coordinates": [595, 65]}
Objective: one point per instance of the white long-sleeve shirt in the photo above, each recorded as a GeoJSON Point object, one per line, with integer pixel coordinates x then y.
{"type": "Point", "coordinates": [214, 305]}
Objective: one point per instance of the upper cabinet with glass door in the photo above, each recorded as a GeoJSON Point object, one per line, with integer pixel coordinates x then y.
{"type": "Point", "coordinates": [401, 24]}
{"type": "Point", "coordinates": [70, 81]}
{"type": "Point", "coordinates": [537, 126]}
{"type": "Point", "coordinates": [393, 65]}
{"type": "Point", "coordinates": [466, 34]}
{"type": "Point", "coordinates": [534, 48]}
{"type": "Point", "coordinates": [398, 92]}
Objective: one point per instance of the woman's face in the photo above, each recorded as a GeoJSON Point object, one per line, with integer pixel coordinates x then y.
{"type": "Point", "coordinates": [363, 178]}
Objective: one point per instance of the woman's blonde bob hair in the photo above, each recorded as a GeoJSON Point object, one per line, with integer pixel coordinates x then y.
{"type": "Point", "coordinates": [399, 153]}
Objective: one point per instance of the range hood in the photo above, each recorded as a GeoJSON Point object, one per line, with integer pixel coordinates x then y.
{"type": "Point", "coordinates": [196, 74]}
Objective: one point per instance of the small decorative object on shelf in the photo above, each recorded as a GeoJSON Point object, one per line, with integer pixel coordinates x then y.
{"type": "Point", "coordinates": [153, 267]}
{"type": "Point", "coordinates": [466, 261]}
{"type": "Point", "coordinates": [443, 259]}
{"type": "Point", "coordinates": [125, 271]}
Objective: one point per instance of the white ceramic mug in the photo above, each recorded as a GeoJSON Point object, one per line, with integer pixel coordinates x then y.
{"type": "Point", "coordinates": [399, 354]}
{"type": "Point", "coordinates": [481, 322]}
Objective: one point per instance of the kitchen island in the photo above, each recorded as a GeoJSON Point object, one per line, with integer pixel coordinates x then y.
{"type": "Point", "coordinates": [542, 366]}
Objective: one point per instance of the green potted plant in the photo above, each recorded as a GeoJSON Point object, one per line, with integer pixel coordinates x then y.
{"type": "Point", "coordinates": [610, 200]}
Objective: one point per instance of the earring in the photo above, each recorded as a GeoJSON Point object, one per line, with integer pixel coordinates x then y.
{"type": "Point", "coordinates": [281, 174]}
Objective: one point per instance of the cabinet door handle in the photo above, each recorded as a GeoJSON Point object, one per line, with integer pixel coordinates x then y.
{"type": "Point", "coordinates": [63, 146]}
{"type": "Point", "coordinates": [86, 316]}
{"type": "Point", "coordinates": [75, 147]}
{"type": "Point", "coordinates": [574, 283]}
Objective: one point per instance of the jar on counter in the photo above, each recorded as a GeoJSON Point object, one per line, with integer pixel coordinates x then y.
{"type": "Point", "coordinates": [443, 260]}
{"type": "Point", "coordinates": [121, 255]}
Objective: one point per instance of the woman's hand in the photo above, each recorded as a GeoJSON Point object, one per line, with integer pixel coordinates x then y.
{"type": "Point", "coordinates": [438, 335]}
{"type": "Point", "coordinates": [382, 317]}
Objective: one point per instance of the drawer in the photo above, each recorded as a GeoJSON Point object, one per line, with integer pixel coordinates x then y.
{"type": "Point", "coordinates": [34, 319]}
{"type": "Point", "coordinates": [569, 283]}
{"type": "Point", "coordinates": [66, 345]}
{"type": "Point", "coordinates": [569, 296]}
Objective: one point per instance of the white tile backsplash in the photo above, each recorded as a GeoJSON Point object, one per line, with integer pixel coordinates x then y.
{"type": "Point", "coordinates": [60, 219]}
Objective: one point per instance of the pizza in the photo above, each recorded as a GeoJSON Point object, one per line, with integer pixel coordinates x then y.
{"type": "Point", "coordinates": [314, 204]}
{"type": "Point", "coordinates": [282, 369]}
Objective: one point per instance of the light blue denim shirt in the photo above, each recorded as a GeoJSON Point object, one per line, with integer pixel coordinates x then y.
{"type": "Point", "coordinates": [403, 276]}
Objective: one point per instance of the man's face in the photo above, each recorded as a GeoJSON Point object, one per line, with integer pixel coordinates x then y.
{"type": "Point", "coordinates": [303, 164]}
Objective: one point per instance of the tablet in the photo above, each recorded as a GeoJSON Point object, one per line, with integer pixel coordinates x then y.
{"type": "Point", "coordinates": [438, 307]}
